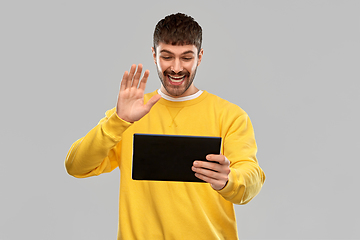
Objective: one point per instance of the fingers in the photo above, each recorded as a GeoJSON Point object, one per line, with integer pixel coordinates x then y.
{"type": "Point", "coordinates": [135, 82]}
{"type": "Point", "coordinates": [216, 172]}
{"type": "Point", "coordinates": [209, 173]}
{"type": "Point", "coordinates": [215, 183]}
{"type": "Point", "coordinates": [221, 159]}
{"type": "Point", "coordinates": [216, 179]}
{"type": "Point", "coordinates": [124, 81]}
{"type": "Point", "coordinates": [144, 80]}
{"type": "Point", "coordinates": [132, 78]}
{"type": "Point", "coordinates": [211, 168]}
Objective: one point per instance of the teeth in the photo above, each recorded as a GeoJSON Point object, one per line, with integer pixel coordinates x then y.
{"type": "Point", "coordinates": [176, 79]}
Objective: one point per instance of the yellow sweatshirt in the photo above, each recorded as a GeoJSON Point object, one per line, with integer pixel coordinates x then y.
{"type": "Point", "coordinates": [174, 210]}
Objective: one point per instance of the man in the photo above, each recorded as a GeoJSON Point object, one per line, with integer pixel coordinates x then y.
{"type": "Point", "coordinates": [164, 209]}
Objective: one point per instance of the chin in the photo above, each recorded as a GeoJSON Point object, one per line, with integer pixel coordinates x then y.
{"type": "Point", "coordinates": [175, 92]}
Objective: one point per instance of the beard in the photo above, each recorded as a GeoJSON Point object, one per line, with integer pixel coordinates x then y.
{"type": "Point", "coordinates": [176, 90]}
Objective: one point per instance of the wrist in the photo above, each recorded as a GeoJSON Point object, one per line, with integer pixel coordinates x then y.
{"type": "Point", "coordinates": [124, 118]}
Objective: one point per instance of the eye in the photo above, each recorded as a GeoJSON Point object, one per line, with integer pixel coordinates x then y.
{"type": "Point", "coordinates": [187, 59]}
{"type": "Point", "coordinates": [166, 57]}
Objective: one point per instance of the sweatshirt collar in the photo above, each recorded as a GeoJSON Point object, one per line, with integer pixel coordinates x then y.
{"type": "Point", "coordinates": [180, 99]}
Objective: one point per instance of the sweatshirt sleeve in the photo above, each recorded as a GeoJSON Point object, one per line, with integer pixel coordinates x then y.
{"type": "Point", "coordinates": [96, 153]}
{"type": "Point", "coordinates": [246, 177]}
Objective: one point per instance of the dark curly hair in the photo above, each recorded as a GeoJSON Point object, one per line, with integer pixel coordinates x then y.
{"type": "Point", "coordinates": [178, 29]}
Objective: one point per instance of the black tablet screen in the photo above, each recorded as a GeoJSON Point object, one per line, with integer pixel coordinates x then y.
{"type": "Point", "coordinates": [170, 157]}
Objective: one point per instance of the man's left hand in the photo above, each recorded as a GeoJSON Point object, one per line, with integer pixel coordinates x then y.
{"type": "Point", "coordinates": [216, 172]}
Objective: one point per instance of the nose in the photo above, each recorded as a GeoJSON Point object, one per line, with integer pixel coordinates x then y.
{"type": "Point", "coordinates": [176, 66]}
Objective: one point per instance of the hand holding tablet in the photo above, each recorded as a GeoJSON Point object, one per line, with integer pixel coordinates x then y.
{"type": "Point", "coordinates": [216, 171]}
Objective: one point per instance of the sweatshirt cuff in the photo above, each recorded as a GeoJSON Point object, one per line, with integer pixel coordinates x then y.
{"type": "Point", "coordinates": [115, 126]}
{"type": "Point", "coordinates": [231, 186]}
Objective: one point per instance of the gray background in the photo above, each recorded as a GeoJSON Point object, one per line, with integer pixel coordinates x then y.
{"type": "Point", "coordinates": [292, 65]}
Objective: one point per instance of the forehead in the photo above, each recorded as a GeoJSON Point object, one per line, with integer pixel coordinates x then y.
{"type": "Point", "coordinates": [176, 49]}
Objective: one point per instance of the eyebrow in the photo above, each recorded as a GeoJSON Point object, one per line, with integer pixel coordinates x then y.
{"type": "Point", "coordinates": [166, 51]}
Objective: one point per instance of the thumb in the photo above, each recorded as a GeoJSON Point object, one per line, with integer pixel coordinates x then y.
{"type": "Point", "coordinates": [152, 101]}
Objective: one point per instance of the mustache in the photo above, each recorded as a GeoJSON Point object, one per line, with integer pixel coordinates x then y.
{"type": "Point", "coordinates": [170, 72]}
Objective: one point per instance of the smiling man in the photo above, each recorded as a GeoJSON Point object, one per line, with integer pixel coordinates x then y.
{"type": "Point", "coordinates": [176, 66]}
{"type": "Point", "coordinates": [164, 209]}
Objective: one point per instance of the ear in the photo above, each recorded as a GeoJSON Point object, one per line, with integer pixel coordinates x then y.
{"type": "Point", "coordinates": [154, 54]}
{"type": "Point", "coordinates": [200, 56]}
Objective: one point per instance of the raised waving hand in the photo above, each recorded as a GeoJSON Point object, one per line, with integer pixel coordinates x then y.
{"type": "Point", "coordinates": [130, 105]}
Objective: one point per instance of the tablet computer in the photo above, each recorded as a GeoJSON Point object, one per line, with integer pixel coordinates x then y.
{"type": "Point", "coordinates": [170, 157]}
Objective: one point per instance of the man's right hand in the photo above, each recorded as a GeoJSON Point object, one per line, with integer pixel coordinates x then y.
{"type": "Point", "coordinates": [130, 105]}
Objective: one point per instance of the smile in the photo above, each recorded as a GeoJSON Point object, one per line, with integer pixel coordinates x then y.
{"type": "Point", "coordinates": [176, 79]}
